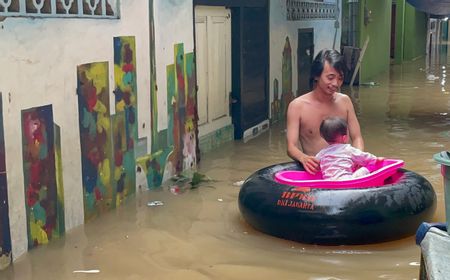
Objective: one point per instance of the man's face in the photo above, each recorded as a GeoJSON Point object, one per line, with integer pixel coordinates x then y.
{"type": "Point", "coordinates": [330, 80]}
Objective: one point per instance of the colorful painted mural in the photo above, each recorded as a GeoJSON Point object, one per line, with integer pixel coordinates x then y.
{"type": "Point", "coordinates": [286, 78]}
{"type": "Point", "coordinates": [125, 121]}
{"type": "Point", "coordinates": [178, 151]}
{"type": "Point", "coordinates": [95, 138]}
{"type": "Point", "coordinates": [173, 149]}
{"type": "Point", "coordinates": [5, 234]}
{"type": "Point", "coordinates": [275, 106]}
{"type": "Point", "coordinates": [39, 170]}
{"type": "Point", "coordinates": [61, 227]}
{"type": "Point", "coordinates": [152, 166]}
{"type": "Point", "coordinates": [189, 139]}
{"type": "Point", "coordinates": [157, 136]}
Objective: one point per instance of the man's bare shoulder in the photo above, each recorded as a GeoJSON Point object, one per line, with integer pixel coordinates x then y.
{"type": "Point", "coordinates": [342, 98]}
{"type": "Point", "coordinates": [303, 99]}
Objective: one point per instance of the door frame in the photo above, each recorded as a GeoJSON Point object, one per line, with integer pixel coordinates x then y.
{"type": "Point", "coordinates": [208, 127]}
{"type": "Point", "coordinates": [236, 7]}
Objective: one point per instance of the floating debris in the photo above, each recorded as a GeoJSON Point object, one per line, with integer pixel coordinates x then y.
{"type": "Point", "coordinates": [194, 179]}
{"type": "Point", "coordinates": [87, 271]}
{"type": "Point", "coordinates": [238, 183]}
{"type": "Point", "coordinates": [369, 84]}
{"type": "Point", "coordinates": [431, 77]}
{"type": "Point", "coordinates": [198, 178]}
{"type": "Point", "coordinates": [175, 189]}
{"type": "Point", "coordinates": [155, 203]}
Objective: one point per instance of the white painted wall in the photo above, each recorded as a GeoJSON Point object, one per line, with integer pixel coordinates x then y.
{"type": "Point", "coordinates": [280, 28]}
{"type": "Point", "coordinates": [38, 66]}
{"type": "Point", "coordinates": [173, 19]}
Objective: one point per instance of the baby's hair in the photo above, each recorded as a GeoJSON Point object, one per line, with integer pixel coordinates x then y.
{"type": "Point", "coordinates": [332, 127]}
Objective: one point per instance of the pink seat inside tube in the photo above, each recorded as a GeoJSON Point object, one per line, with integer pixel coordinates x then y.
{"type": "Point", "coordinates": [379, 173]}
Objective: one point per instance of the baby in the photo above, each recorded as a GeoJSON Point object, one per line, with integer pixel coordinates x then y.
{"type": "Point", "coordinates": [340, 161]}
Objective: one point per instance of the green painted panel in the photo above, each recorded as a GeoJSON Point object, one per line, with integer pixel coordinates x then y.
{"type": "Point", "coordinates": [377, 26]}
{"type": "Point", "coordinates": [60, 221]}
{"type": "Point", "coordinates": [171, 101]}
{"type": "Point", "coordinates": [155, 136]}
{"type": "Point", "coordinates": [415, 33]}
{"type": "Point", "coordinates": [179, 108]}
{"type": "Point", "coordinates": [399, 31]}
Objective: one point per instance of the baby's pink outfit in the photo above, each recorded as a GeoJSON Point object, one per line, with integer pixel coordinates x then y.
{"type": "Point", "coordinates": [340, 161]}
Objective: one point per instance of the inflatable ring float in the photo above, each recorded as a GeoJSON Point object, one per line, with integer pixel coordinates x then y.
{"type": "Point", "coordinates": [336, 216]}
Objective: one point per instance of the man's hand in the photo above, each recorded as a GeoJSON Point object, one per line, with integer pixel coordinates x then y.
{"type": "Point", "coordinates": [311, 164]}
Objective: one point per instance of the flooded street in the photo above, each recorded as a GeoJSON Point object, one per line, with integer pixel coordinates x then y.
{"type": "Point", "coordinates": [199, 233]}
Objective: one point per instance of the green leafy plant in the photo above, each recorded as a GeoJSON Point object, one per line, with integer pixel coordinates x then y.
{"type": "Point", "coordinates": [193, 179]}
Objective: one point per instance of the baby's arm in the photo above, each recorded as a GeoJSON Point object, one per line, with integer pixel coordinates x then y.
{"type": "Point", "coordinates": [364, 158]}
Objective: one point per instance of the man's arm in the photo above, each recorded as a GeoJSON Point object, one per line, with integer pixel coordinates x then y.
{"type": "Point", "coordinates": [353, 126]}
{"type": "Point", "coordinates": [310, 163]}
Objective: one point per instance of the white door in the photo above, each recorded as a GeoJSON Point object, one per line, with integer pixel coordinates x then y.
{"type": "Point", "coordinates": [213, 51]}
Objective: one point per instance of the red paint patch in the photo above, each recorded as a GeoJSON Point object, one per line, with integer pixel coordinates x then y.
{"type": "Point", "coordinates": [98, 194]}
{"type": "Point", "coordinates": [127, 68]}
{"type": "Point", "coordinates": [118, 158]}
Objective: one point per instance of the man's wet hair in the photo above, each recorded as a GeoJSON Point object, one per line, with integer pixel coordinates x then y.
{"type": "Point", "coordinates": [332, 127]}
{"type": "Point", "coordinates": [333, 57]}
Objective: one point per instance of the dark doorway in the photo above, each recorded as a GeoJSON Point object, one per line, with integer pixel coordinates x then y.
{"type": "Point", "coordinates": [250, 52]}
{"type": "Point", "coordinates": [305, 53]}
{"type": "Point", "coordinates": [393, 21]}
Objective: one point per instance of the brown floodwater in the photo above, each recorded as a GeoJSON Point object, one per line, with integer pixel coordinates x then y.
{"type": "Point", "coordinates": [200, 234]}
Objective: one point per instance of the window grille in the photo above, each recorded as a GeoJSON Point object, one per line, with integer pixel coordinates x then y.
{"type": "Point", "coordinates": [309, 10]}
{"type": "Point", "coordinates": [60, 8]}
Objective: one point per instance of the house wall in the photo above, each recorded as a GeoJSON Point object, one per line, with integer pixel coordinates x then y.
{"type": "Point", "coordinates": [415, 33]}
{"type": "Point", "coordinates": [49, 70]}
{"type": "Point", "coordinates": [376, 58]}
{"type": "Point", "coordinates": [399, 31]}
{"type": "Point", "coordinates": [282, 29]}
{"type": "Point", "coordinates": [173, 24]}
{"type": "Point", "coordinates": [410, 36]}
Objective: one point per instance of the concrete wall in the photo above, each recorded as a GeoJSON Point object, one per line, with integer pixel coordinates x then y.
{"type": "Point", "coordinates": [38, 67]}
{"type": "Point", "coordinates": [173, 24]}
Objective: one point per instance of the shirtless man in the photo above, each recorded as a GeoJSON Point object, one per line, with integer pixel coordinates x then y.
{"type": "Point", "coordinates": [306, 112]}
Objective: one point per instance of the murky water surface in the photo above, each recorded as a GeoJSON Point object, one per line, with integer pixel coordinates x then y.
{"type": "Point", "coordinates": [199, 234]}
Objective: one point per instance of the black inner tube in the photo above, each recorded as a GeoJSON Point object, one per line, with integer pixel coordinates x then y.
{"type": "Point", "coordinates": [336, 216]}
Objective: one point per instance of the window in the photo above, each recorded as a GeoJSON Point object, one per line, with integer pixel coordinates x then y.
{"type": "Point", "coordinates": [60, 8]}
